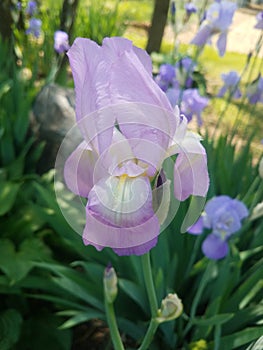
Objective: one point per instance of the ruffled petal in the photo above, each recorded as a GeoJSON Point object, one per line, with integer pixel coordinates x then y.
{"type": "Point", "coordinates": [214, 247]}
{"type": "Point", "coordinates": [79, 170]}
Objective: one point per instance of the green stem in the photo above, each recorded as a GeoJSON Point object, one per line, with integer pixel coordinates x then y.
{"type": "Point", "coordinates": [149, 335]}
{"type": "Point", "coordinates": [114, 332]}
{"type": "Point", "coordinates": [148, 278]}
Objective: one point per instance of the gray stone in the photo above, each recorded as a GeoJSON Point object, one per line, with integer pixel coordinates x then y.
{"type": "Point", "coordinates": [53, 118]}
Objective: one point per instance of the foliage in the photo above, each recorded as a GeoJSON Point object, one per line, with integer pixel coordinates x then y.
{"type": "Point", "coordinates": [50, 283]}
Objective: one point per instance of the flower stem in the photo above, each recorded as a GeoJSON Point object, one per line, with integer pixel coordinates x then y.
{"type": "Point", "coordinates": [148, 278]}
{"type": "Point", "coordinates": [149, 335]}
{"type": "Point", "coordinates": [114, 332]}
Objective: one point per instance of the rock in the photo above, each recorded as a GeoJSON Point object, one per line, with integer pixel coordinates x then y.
{"type": "Point", "coordinates": [53, 117]}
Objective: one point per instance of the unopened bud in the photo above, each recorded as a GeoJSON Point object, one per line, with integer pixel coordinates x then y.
{"type": "Point", "coordinates": [110, 284]}
{"type": "Point", "coordinates": [260, 168]}
{"type": "Point", "coordinates": [171, 308]}
{"type": "Point", "coordinates": [257, 211]}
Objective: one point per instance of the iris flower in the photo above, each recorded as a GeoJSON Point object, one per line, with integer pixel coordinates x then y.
{"type": "Point", "coordinates": [222, 215]}
{"type": "Point", "coordinates": [31, 8]}
{"type": "Point", "coordinates": [231, 81]}
{"type": "Point", "coordinates": [129, 128]}
{"type": "Point", "coordinates": [166, 76]}
{"type": "Point", "coordinates": [192, 103]}
{"type": "Point", "coordinates": [34, 27]}
{"type": "Point", "coordinates": [254, 91]}
{"type": "Point", "coordinates": [218, 18]}
{"type": "Point", "coordinates": [259, 18]}
{"type": "Point", "coordinates": [184, 69]}
{"type": "Point", "coordinates": [61, 41]}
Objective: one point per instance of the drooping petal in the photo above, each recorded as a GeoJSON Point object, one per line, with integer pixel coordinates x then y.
{"type": "Point", "coordinates": [221, 43]}
{"type": "Point", "coordinates": [79, 170]}
{"type": "Point", "coordinates": [121, 201]}
{"type": "Point", "coordinates": [124, 240]}
{"type": "Point", "coordinates": [214, 247]}
{"type": "Point", "coordinates": [202, 36]}
{"type": "Point", "coordinates": [190, 170]}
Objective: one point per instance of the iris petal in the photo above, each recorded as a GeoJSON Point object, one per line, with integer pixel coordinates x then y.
{"type": "Point", "coordinates": [214, 247]}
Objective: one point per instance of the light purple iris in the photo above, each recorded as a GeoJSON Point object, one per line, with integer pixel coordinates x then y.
{"type": "Point", "coordinates": [231, 81]}
{"type": "Point", "coordinates": [190, 8]}
{"type": "Point", "coordinates": [34, 27]}
{"type": "Point", "coordinates": [61, 41]}
{"type": "Point", "coordinates": [31, 8]}
{"type": "Point", "coordinates": [254, 91]}
{"type": "Point", "coordinates": [222, 215]}
{"type": "Point", "coordinates": [129, 129]}
{"type": "Point", "coordinates": [192, 103]}
{"type": "Point", "coordinates": [259, 18]}
{"type": "Point", "coordinates": [165, 77]}
{"type": "Point", "coordinates": [219, 16]}
{"type": "Point", "coordinates": [184, 69]}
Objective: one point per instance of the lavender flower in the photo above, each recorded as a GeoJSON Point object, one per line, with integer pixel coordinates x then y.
{"type": "Point", "coordinates": [218, 19]}
{"type": "Point", "coordinates": [259, 18]}
{"type": "Point", "coordinates": [184, 69]}
{"type": "Point", "coordinates": [34, 27]}
{"type": "Point", "coordinates": [193, 104]}
{"type": "Point", "coordinates": [222, 215]}
{"type": "Point", "coordinates": [31, 8]}
{"type": "Point", "coordinates": [129, 128]}
{"type": "Point", "coordinates": [61, 41]}
{"type": "Point", "coordinates": [231, 81]}
{"type": "Point", "coordinates": [254, 91]}
{"type": "Point", "coordinates": [165, 77]}
{"type": "Point", "coordinates": [190, 8]}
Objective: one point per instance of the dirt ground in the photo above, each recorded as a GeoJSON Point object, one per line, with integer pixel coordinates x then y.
{"type": "Point", "coordinates": [242, 36]}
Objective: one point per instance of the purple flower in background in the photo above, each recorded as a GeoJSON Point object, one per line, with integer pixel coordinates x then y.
{"type": "Point", "coordinates": [231, 81]}
{"type": "Point", "coordinates": [259, 18]}
{"type": "Point", "coordinates": [129, 128]}
{"type": "Point", "coordinates": [219, 16]}
{"type": "Point", "coordinates": [254, 91]}
{"type": "Point", "coordinates": [193, 104]}
{"type": "Point", "coordinates": [165, 76]}
{"type": "Point", "coordinates": [31, 8]}
{"type": "Point", "coordinates": [222, 215]}
{"type": "Point", "coordinates": [19, 6]}
{"type": "Point", "coordinates": [61, 41]}
{"type": "Point", "coordinates": [173, 8]}
{"type": "Point", "coordinates": [34, 27]}
{"type": "Point", "coordinates": [184, 69]}
{"type": "Point", "coordinates": [190, 8]}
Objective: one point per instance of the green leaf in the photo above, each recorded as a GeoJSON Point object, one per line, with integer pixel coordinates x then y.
{"type": "Point", "coordinates": [17, 264]}
{"type": "Point", "coordinates": [135, 292]}
{"type": "Point", "coordinates": [212, 321]}
{"type": "Point", "coordinates": [81, 317]}
{"type": "Point", "coordinates": [238, 339]}
{"type": "Point", "coordinates": [10, 327]}
{"type": "Point", "coordinates": [8, 193]}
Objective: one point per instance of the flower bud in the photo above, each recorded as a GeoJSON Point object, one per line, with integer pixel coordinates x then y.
{"type": "Point", "coordinates": [260, 168]}
{"type": "Point", "coordinates": [110, 284]}
{"type": "Point", "coordinates": [171, 308]}
{"type": "Point", "coordinates": [257, 211]}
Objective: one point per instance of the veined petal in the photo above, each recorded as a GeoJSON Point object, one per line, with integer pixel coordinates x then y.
{"type": "Point", "coordinates": [190, 170]}
{"type": "Point", "coordinates": [79, 168]}
{"type": "Point", "coordinates": [121, 201]}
